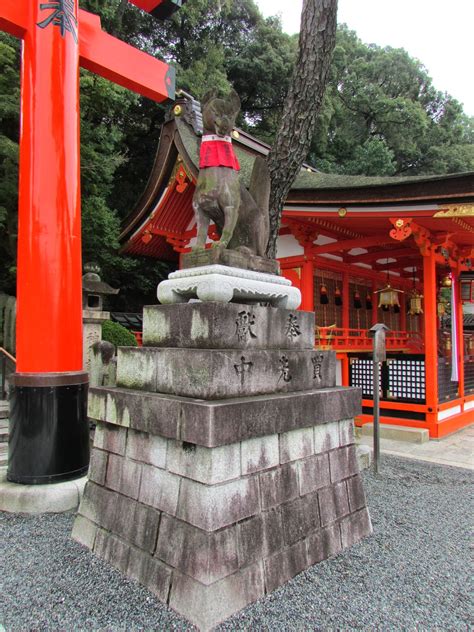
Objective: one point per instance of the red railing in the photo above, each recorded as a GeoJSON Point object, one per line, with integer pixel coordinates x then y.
{"type": "Point", "coordinates": [341, 339]}
{"type": "Point", "coordinates": [138, 337]}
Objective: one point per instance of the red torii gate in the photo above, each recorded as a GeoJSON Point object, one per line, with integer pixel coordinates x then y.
{"type": "Point", "coordinates": [49, 439]}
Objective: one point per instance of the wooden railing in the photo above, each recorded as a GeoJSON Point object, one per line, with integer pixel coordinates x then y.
{"type": "Point", "coordinates": [7, 366]}
{"type": "Point", "coordinates": [138, 337]}
{"type": "Point", "coordinates": [340, 339]}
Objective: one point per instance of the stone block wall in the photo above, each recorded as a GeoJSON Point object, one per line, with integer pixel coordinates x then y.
{"type": "Point", "coordinates": [8, 322]}
{"type": "Point", "coordinates": [192, 522]}
{"type": "Point", "coordinates": [224, 460]}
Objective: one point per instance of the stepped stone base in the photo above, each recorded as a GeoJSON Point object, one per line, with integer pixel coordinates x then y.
{"type": "Point", "coordinates": [222, 469]}
{"type": "Point", "coordinates": [209, 530]}
{"type": "Point", "coordinates": [397, 433]}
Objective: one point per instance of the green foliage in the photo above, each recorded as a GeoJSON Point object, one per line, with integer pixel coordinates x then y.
{"type": "Point", "coordinates": [381, 116]}
{"type": "Point", "coordinates": [117, 334]}
{"type": "Point", "coordinates": [9, 122]}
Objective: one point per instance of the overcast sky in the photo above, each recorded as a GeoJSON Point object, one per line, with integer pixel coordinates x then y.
{"type": "Point", "coordinates": [437, 32]}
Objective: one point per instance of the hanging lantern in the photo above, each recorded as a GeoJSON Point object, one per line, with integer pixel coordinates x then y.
{"type": "Point", "coordinates": [415, 304]}
{"type": "Point", "coordinates": [447, 280]}
{"type": "Point", "coordinates": [338, 297]}
{"type": "Point", "coordinates": [323, 294]}
{"type": "Point", "coordinates": [388, 297]}
{"type": "Point", "coordinates": [396, 309]}
{"type": "Point", "coordinates": [442, 307]}
{"type": "Point", "coordinates": [368, 301]}
{"type": "Point", "coordinates": [357, 301]}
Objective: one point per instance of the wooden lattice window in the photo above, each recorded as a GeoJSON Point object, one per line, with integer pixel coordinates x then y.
{"type": "Point", "coordinates": [329, 314]}
{"type": "Point", "coordinates": [467, 291]}
{"type": "Point", "coordinates": [360, 318]}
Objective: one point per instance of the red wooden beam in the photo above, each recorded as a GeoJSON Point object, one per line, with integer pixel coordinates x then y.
{"type": "Point", "coordinates": [104, 54]}
{"type": "Point", "coordinates": [380, 254]}
{"type": "Point", "coordinates": [13, 18]}
{"type": "Point", "coordinates": [121, 63]}
{"type": "Point", "coordinates": [348, 244]}
{"type": "Point", "coordinates": [339, 266]}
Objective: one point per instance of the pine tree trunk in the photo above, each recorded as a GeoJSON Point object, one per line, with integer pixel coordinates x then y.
{"type": "Point", "coordinates": [303, 101]}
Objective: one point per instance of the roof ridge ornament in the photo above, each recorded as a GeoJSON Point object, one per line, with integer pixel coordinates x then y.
{"type": "Point", "coordinates": [189, 108]}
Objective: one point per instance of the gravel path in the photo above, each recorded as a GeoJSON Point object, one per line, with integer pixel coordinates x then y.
{"type": "Point", "coordinates": [413, 573]}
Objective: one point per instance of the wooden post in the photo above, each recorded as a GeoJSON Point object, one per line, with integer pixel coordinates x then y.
{"type": "Point", "coordinates": [307, 285]}
{"type": "Point", "coordinates": [460, 329]}
{"type": "Point", "coordinates": [430, 319]}
{"type": "Point", "coordinates": [403, 312]}
{"type": "Point", "coordinates": [49, 430]}
{"type": "Point", "coordinates": [375, 303]}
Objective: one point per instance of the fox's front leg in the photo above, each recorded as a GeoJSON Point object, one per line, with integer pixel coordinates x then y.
{"type": "Point", "coordinates": [231, 214]}
{"type": "Point", "coordinates": [202, 221]}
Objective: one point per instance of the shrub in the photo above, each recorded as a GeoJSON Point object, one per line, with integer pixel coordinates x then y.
{"type": "Point", "coordinates": [118, 335]}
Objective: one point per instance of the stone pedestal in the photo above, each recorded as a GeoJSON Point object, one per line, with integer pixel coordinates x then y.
{"type": "Point", "coordinates": [231, 258]}
{"type": "Point", "coordinates": [224, 461]}
{"type": "Point", "coordinates": [224, 284]}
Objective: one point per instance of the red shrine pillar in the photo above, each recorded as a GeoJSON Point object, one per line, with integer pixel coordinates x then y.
{"type": "Point", "coordinates": [430, 317]}
{"type": "Point", "coordinates": [49, 429]}
{"type": "Point", "coordinates": [307, 286]}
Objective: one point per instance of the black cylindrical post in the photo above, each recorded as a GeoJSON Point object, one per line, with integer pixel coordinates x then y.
{"type": "Point", "coordinates": [49, 430]}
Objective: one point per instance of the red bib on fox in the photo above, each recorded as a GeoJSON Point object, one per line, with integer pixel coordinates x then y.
{"type": "Point", "coordinates": [217, 151]}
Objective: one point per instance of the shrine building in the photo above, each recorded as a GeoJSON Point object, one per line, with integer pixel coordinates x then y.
{"type": "Point", "coordinates": [363, 250]}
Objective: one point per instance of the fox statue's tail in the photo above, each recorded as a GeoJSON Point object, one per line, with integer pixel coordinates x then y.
{"type": "Point", "coordinates": [259, 189]}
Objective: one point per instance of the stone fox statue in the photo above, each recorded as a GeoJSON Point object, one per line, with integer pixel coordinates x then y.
{"type": "Point", "coordinates": [241, 216]}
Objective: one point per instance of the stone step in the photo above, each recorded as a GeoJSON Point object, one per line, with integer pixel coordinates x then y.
{"type": "Point", "coordinates": [212, 374]}
{"type": "Point", "coordinates": [398, 433]}
{"type": "Point", "coordinates": [224, 325]}
{"type": "Point", "coordinates": [4, 430]}
{"type": "Point", "coordinates": [4, 409]}
{"type": "Point", "coordinates": [3, 454]}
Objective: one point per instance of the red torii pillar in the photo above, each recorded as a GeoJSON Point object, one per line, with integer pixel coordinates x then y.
{"type": "Point", "coordinates": [49, 434]}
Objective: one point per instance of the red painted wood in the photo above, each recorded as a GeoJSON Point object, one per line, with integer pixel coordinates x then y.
{"type": "Point", "coordinates": [460, 331]}
{"type": "Point", "coordinates": [431, 333]}
{"type": "Point", "coordinates": [307, 287]}
{"type": "Point", "coordinates": [49, 307]}
{"type": "Point", "coordinates": [121, 63]}
{"type": "Point", "coordinates": [13, 17]}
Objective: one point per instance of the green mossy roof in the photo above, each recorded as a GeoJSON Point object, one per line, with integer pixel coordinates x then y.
{"type": "Point", "coordinates": [306, 179]}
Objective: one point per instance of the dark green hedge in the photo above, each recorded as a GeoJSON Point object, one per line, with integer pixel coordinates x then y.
{"type": "Point", "coordinates": [118, 335]}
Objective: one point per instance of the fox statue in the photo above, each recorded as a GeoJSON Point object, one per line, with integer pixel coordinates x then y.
{"type": "Point", "coordinates": [241, 215]}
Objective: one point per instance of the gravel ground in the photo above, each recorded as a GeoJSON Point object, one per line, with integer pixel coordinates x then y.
{"type": "Point", "coordinates": [413, 573]}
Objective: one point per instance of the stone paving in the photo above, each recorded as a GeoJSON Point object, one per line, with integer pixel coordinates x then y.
{"type": "Point", "coordinates": [456, 450]}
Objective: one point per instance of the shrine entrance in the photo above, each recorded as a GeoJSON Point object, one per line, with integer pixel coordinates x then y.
{"type": "Point", "coordinates": [49, 437]}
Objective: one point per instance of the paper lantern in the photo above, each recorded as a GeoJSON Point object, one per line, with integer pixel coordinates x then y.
{"type": "Point", "coordinates": [357, 301]}
{"type": "Point", "coordinates": [323, 294]}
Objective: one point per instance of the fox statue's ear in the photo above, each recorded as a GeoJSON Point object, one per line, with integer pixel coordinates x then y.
{"type": "Point", "coordinates": [234, 100]}
{"type": "Point", "coordinates": [210, 94]}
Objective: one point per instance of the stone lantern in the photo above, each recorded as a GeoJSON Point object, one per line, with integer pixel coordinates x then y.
{"type": "Point", "coordinates": [93, 292]}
